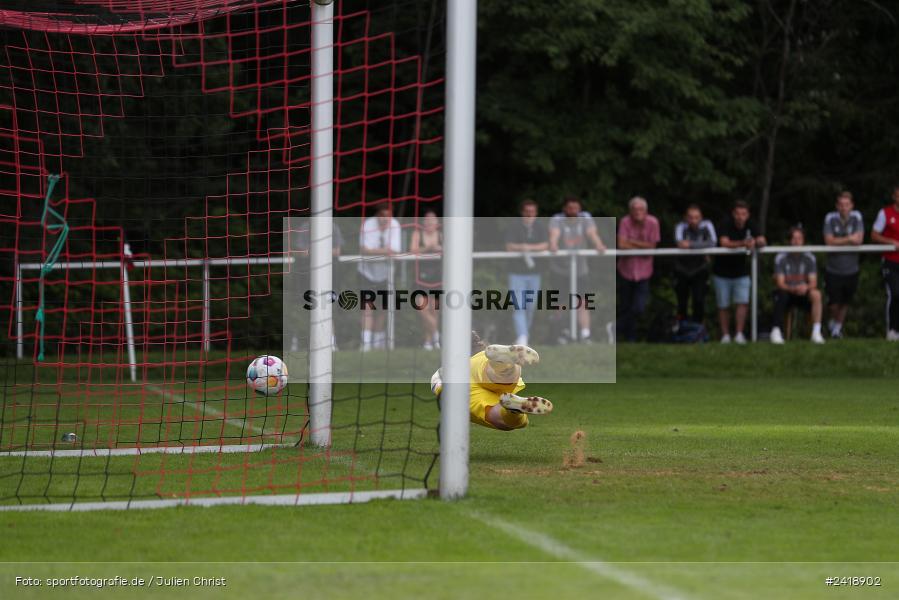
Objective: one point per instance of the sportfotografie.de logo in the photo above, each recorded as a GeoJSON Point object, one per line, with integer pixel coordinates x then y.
{"type": "Point", "coordinates": [493, 299]}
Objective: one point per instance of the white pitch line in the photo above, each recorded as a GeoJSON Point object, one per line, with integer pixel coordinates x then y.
{"type": "Point", "coordinates": [241, 424]}
{"type": "Point", "coordinates": [140, 450]}
{"type": "Point", "coordinates": [279, 500]}
{"type": "Point", "coordinates": [212, 448]}
{"type": "Point", "coordinates": [600, 567]}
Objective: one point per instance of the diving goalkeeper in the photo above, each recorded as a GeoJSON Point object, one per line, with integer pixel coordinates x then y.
{"type": "Point", "coordinates": [495, 382]}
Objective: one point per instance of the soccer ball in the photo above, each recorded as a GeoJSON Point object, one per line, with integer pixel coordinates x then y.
{"type": "Point", "coordinates": [267, 375]}
{"type": "Point", "coordinates": [436, 383]}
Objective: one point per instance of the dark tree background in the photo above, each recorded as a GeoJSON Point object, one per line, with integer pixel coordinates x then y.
{"type": "Point", "coordinates": [780, 102]}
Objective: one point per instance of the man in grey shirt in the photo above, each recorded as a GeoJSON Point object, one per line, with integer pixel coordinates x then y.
{"type": "Point", "coordinates": [796, 280]}
{"type": "Point", "coordinates": [573, 229]}
{"type": "Point", "coordinates": [842, 227]}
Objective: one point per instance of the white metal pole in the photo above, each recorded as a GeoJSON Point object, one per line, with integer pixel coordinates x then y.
{"type": "Point", "coordinates": [391, 315]}
{"type": "Point", "coordinates": [754, 270]}
{"type": "Point", "coordinates": [458, 189]}
{"type": "Point", "coordinates": [321, 224]}
{"type": "Point", "coordinates": [20, 319]}
{"type": "Point", "coordinates": [207, 329]}
{"type": "Point", "coordinates": [129, 322]}
{"type": "Point", "coordinates": [572, 289]}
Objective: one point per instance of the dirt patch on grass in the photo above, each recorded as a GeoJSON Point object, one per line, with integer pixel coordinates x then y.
{"type": "Point", "coordinates": [576, 455]}
{"type": "Point", "coordinates": [742, 474]}
{"type": "Point", "coordinates": [535, 472]}
{"type": "Point", "coordinates": [542, 472]}
{"type": "Point", "coordinates": [877, 488]}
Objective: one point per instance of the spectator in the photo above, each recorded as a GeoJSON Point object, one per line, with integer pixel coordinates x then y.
{"type": "Point", "coordinates": [886, 231]}
{"type": "Point", "coordinates": [428, 240]}
{"type": "Point", "coordinates": [572, 229]}
{"type": "Point", "coordinates": [380, 236]}
{"type": "Point", "coordinates": [638, 230]}
{"type": "Point", "coordinates": [527, 234]}
{"type": "Point", "coordinates": [730, 273]}
{"type": "Point", "coordinates": [691, 273]}
{"type": "Point", "coordinates": [842, 227]}
{"type": "Point", "coordinates": [796, 277]}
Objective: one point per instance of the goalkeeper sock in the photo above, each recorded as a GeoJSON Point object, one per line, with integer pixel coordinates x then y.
{"type": "Point", "coordinates": [513, 419]}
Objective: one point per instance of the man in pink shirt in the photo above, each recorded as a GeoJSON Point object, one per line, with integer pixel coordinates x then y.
{"type": "Point", "coordinates": [638, 230]}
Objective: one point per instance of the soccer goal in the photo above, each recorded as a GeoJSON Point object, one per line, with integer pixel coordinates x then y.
{"type": "Point", "coordinates": [151, 154]}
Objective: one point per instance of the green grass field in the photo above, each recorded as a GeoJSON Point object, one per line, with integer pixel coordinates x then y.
{"type": "Point", "coordinates": [707, 472]}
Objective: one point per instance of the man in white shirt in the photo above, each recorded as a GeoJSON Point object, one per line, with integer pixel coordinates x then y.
{"type": "Point", "coordinates": [381, 236]}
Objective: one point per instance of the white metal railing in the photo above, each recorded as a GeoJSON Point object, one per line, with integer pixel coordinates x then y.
{"type": "Point", "coordinates": [207, 264]}
{"type": "Point", "coordinates": [660, 252]}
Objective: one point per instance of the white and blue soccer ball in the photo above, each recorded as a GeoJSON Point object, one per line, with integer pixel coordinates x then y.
{"type": "Point", "coordinates": [267, 375]}
{"type": "Point", "coordinates": [436, 383]}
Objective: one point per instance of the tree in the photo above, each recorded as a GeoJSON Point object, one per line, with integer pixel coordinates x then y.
{"type": "Point", "coordinates": [606, 98]}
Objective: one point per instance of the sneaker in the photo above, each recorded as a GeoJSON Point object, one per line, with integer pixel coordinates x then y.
{"type": "Point", "coordinates": [725, 339]}
{"type": "Point", "coordinates": [836, 334]}
{"type": "Point", "coordinates": [740, 339]}
{"type": "Point", "coordinates": [587, 341]}
{"type": "Point", "coordinates": [521, 340]}
{"type": "Point", "coordinates": [532, 405]}
{"type": "Point", "coordinates": [893, 336]}
{"type": "Point", "coordinates": [564, 337]}
{"type": "Point", "coordinates": [517, 354]}
{"type": "Point", "coordinates": [428, 346]}
{"type": "Point", "coordinates": [817, 338]}
{"type": "Point", "coordinates": [776, 336]}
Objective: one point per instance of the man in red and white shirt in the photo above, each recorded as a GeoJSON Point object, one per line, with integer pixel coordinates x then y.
{"type": "Point", "coordinates": [886, 231]}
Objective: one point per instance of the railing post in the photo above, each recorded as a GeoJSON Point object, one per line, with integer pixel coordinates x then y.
{"type": "Point", "coordinates": [20, 319]}
{"type": "Point", "coordinates": [129, 323]}
{"type": "Point", "coordinates": [572, 290]}
{"type": "Point", "coordinates": [754, 269]}
{"type": "Point", "coordinates": [207, 329]}
{"type": "Point", "coordinates": [391, 315]}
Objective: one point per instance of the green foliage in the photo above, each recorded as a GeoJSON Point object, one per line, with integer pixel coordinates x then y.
{"type": "Point", "coordinates": [608, 98]}
{"type": "Point", "coordinates": [678, 100]}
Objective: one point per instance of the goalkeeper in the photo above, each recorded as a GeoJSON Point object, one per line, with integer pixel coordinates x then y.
{"type": "Point", "coordinates": [495, 382]}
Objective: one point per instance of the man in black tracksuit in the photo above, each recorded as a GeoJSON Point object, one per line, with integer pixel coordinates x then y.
{"type": "Point", "coordinates": [691, 273]}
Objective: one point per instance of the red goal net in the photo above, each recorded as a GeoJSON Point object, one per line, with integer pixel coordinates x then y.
{"type": "Point", "coordinates": [150, 152]}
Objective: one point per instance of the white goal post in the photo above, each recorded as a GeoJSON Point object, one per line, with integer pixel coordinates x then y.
{"type": "Point", "coordinates": [458, 187]}
{"type": "Point", "coordinates": [322, 221]}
